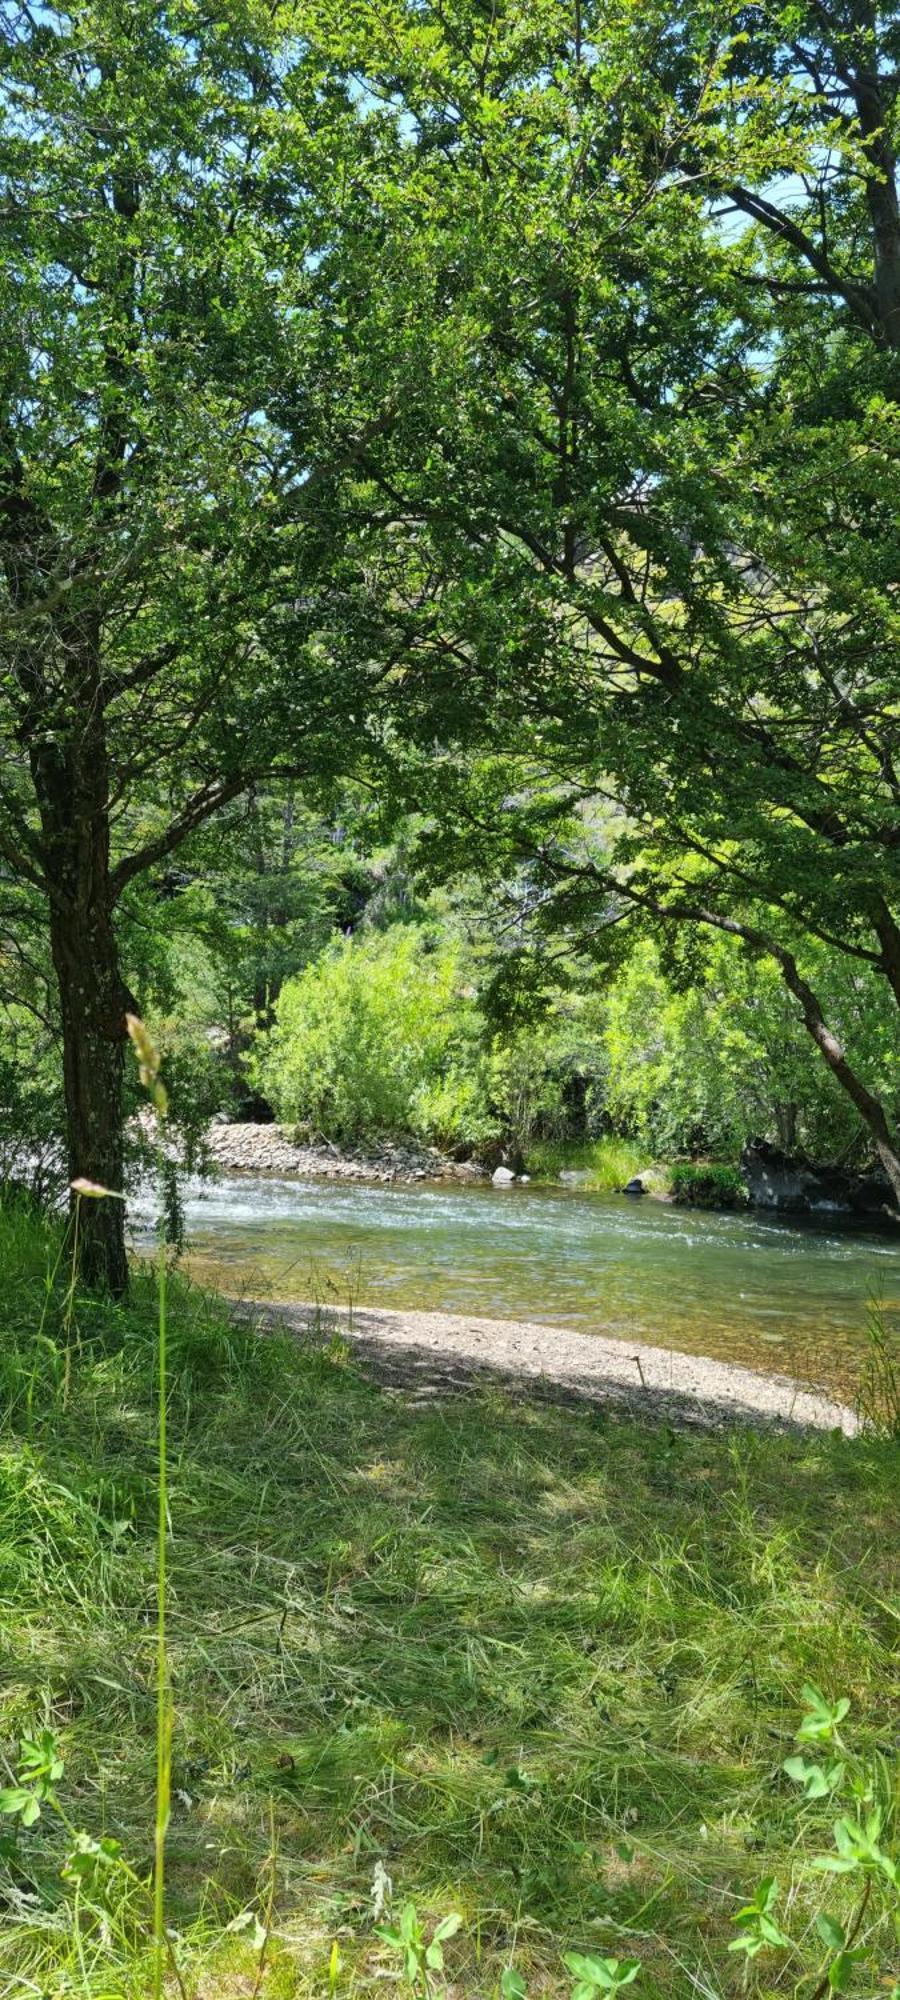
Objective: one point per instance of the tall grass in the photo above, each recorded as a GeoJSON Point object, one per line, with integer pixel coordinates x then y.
{"type": "Point", "coordinates": [148, 1061]}
{"type": "Point", "coordinates": [535, 1665]}
{"type": "Point", "coordinates": [607, 1163]}
{"type": "Point", "coordinates": [878, 1397]}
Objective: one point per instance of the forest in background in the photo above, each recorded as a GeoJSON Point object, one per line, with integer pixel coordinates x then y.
{"type": "Point", "coordinates": [308, 972]}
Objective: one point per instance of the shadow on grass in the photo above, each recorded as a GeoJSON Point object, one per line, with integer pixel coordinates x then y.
{"type": "Point", "coordinates": [541, 1662]}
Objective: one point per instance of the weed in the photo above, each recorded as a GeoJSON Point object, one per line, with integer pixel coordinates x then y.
{"type": "Point", "coordinates": [420, 1957]}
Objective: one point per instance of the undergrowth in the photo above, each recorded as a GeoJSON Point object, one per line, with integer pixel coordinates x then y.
{"type": "Point", "coordinates": [533, 1667]}
{"type": "Point", "coordinates": [607, 1164]}
{"type": "Point", "coordinates": [708, 1184]}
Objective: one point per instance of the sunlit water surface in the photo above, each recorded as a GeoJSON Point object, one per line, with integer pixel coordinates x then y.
{"type": "Point", "coordinates": [775, 1294]}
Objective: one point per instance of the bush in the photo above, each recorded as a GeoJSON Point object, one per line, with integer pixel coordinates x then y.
{"type": "Point", "coordinates": [379, 1035]}
{"type": "Point", "coordinates": [706, 1185]}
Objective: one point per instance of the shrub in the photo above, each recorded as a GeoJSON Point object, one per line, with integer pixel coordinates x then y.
{"type": "Point", "coordinates": [380, 1034]}
{"type": "Point", "coordinates": [707, 1185]}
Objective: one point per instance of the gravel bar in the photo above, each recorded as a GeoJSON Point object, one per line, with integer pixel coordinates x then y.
{"type": "Point", "coordinates": [433, 1353]}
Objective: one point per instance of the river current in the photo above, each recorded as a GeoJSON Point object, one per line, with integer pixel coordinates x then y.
{"type": "Point", "coordinates": [777, 1294]}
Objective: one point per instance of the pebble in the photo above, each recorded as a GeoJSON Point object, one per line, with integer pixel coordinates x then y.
{"type": "Point", "coordinates": [270, 1149]}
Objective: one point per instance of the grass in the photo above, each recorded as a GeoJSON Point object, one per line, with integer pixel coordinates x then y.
{"type": "Point", "coordinates": [538, 1666]}
{"type": "Point", "coordinates": [608, 1163]}
{"type": "Point", "coordinates": [708, 1184]}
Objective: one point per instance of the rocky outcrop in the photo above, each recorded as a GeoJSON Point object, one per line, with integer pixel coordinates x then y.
{"type": "Point", "coordinates": [795, 1185]}
{"type": "Point", "coordinates": [273, 1149]}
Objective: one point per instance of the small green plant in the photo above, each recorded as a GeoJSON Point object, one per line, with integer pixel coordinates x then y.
{"type": "Point", "coordinates": [419, 1956]}
{"type": "Point", "coordinates": [595, 1976]}
{"type": "Point", "coordinates": [757, 1923]}
{"type": "Point", "coordinates": [40, 1769]}
{"type": "Point", "coordinates": [708, 1185]}
{"type": "Point", "coordinates": [860, 1851]}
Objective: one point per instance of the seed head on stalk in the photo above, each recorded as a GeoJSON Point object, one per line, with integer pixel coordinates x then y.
{"type": "Point", "coordinates": [148, 1058]}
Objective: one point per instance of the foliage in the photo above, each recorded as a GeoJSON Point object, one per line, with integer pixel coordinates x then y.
{"type": "Point", "coordinates": [668, 251]}
{"type": "Point", "coordinates": [593, 1976]}
{"type": "Point", "coordinates": [378, 1035]}
{"type": "Point", "coordinates": [712, 1055]}
{"type": "Point", "coordinates": [40, 1769]}
{"type": "Point", "coordinates": [450, 398]}
{"type": "Point", "coordinates": [878, 1395]}
{"type": "Point", "coordinates": [420, 1957]}
{"type": "Point", "coordinates": [546, 1658]}
{"type": "Point", "coordinates": [863, 1837]}
{"type": "Point", "coordinates": [605, 1164]}
{"type": "Point", "coordinates": [31, 1108]}
{"type": "Point", "coordinates": [707, 1184]}
{"type": "Point", "coordinates": [189, 373]}
{"type": "Point", "coordinates": [387, 1032]}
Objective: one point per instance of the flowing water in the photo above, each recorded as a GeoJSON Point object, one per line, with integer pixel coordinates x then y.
{"type": "Point", "coordinates": [779, 1295]}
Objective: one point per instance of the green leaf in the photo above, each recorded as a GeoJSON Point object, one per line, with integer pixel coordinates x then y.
{"type": "Point", "coordinates": [512, 1985]}
{"type": "Point", "coordinates": [840, 1974]}
{"type": "Point", "coordinates": [448, 1927]}
{"type": "Point", "coordinates": [811, 1776]}
{"type": "Point", "coordinates": [830, 1932]}
{"type": "Point", "coordinates": [13, 1798]}
{"type": "Point", "coordinates": [577, 1963]}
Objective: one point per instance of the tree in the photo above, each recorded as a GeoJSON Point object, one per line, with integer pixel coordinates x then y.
{"type": "Point", "coordinates": [195, 351]}
{"type": "Point", "coordinates": [716, 1057]}
{"type": "Point", "coordinates": [651, 545]}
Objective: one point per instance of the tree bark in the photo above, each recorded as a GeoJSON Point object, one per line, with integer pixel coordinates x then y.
{"type": "Point", "coordinates": [69, 768]}
{"type": "Point", "coordinates": [92, 1011]}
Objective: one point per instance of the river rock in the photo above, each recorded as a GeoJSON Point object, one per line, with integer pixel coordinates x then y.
{"type": "Point", "coordinates": [795, 1185]}
{"type": "Point", "coordinates": [502, 1177]}
{"type": "Point", "coordinates": [634, 1186]}
{"type": "Point", "coordinates": [574, 1176]}
{"type": "Point", "coordinates": [254, 1147]}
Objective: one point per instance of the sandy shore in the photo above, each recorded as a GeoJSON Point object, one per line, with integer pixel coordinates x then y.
{"type": "Point", "coordinates": [433, 1353]}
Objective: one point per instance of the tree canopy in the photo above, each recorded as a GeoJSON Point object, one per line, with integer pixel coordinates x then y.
{"type": "Point", "coordinates": [508, 394]}
{"type": "Point", "coordinates": [651, 545]}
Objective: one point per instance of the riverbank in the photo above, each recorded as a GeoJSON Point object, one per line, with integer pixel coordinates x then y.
{"type": "Point", "coordinates": [537, 1665]}
{"type": "Point", "coordinates": [272, 1149]}
{"type": "Point", "coordinates": [767, 1182]}
{"type": "Point", "coordinates": [432, 1353]}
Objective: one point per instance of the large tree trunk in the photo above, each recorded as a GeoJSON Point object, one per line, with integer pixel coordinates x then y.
{"type": "Point", "coordinates": [71, 781]}
{"type": "Point", "coordinates": [92, 1011]}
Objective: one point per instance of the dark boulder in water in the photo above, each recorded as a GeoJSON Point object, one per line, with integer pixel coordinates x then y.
{"type": "Point", "coordinates": [796, 1185]}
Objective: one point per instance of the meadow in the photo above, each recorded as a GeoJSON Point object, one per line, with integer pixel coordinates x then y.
{"type": "Point", "coordinates": [535, 1667]}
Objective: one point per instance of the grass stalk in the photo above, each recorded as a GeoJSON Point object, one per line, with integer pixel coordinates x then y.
{"type": "Point", "coordinates": [163, 1696]}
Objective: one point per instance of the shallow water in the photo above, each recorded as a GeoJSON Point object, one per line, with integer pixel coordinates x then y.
{"type": "Point", "coordinates": [777, 1295]}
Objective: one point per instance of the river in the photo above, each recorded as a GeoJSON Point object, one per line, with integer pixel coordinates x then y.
{"type": "Point", "coordinates": [774, 1294]}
